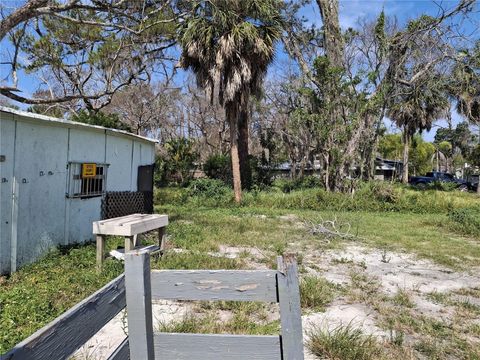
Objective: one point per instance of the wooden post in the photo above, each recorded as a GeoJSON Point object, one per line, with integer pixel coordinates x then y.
{"type": "Point", "coordinates": [129, 243]}
{"type": "Point", "coordinates": [290, 310]}
{"type": "Point", "coordinates": [139, 305]}
{"type": "Point", "coordinates": [100, 239]}
{"type": "Point", "coordinates": [161, 240]}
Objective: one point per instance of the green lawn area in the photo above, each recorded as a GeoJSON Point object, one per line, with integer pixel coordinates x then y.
{"type": "Point", "coordinates": [38, 293]}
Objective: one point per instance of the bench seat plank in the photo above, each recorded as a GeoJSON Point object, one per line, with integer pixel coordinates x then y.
{"type": "Point", "coordinates": [130, 225]}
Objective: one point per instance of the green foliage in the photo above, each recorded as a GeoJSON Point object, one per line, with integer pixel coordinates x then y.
{"type": "Point", "coordinates": [466, 220]}
{"type": "Point", "coordinates": [343, 342]}
{"type": "Point", "coordinates": [177, 165]}
{"type": "Point", "coordinates": [369, 196]}
{"type": "Point", "coordinates": [306, 182]}
{"type": "Point", "coordinates": [475, 156]}
{"type": "Point", "coordinates": [441, 185]}
{"type": "Point", "coordinates": [219, 166]}
{"type": "Point", "coordinates": [390, 146]}
{"type": "Point", "coordinates": [421, 155]}
{"type": "Point", "coordinates": [465, 83]}
{"type": "Point", "coordinates": [459, 138]}
{"type": "Point", "coordinates": [101, 119]}
{"type": "Point", "coordinates": [38, 293]}
{"type": "Point", "coordinates": [316, 293]}
{"type": "Point", "coordinates": [209, 188]}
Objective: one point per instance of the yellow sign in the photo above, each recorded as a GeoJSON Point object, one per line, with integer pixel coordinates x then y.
{"type": "Point", "coordinates": [89, 170]}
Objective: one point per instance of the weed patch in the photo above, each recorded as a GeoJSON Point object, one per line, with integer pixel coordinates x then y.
{"type": "Point", "coordinates": [343, 343]}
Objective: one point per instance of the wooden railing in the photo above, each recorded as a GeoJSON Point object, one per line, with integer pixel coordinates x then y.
{"type": "Point", "coordinates": [143, 285]}
{"type": "Point", "coordinates": [61, 338]}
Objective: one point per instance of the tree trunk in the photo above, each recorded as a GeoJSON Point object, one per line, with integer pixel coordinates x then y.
{"type": "Point", "coordinates": [405, 157]}
{"type": "Point", "coordinates": [237, 182]}
{"type": "Point", "coordinates": [333, 39]}
{"type": "Point", "coordinates": [334, 48]}
{"type": "Point", "coordinates": [245, 170]}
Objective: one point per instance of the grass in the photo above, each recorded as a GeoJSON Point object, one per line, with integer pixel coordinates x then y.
{"type": "Point", "coordinates": [40, 292]}
{"type": "Point", "coordinates": [244, 318]}
{"type": "Point", "coordinates": [271, 223]}
{"type": "Point", "coordinates": [343, 343]}
{"type": "Point", "coordinates": [316, 293]}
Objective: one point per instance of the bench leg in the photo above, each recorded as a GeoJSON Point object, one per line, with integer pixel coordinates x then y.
{"type": "Point", "coordinates": [100, 239]}
{"type": "Point", "coordinates": [129, 243]}
{"type": "Point", "coordinates": [161, 238]}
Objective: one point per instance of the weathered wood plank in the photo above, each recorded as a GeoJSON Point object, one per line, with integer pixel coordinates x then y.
{"type": "Point", "coordinates": [161, 238]}
{"type": "Point", "coordinates": [130, 225]}
{"type": "Point", "coordinates": [290, 310]}
{"type": "Point", "coordinates": [216, 347]}
{"type": "Point", "coordinates": [100, 239]}
{"type": "Point", "coordinates": [68, 332]}
{"type": "Point", "coordinates": [139, 305]}
{"type": "Point", "coordinates": [122, 352]}
{"type": "Point", "coordinates": [129, 243]}
{"type": "Point", "coordinates": [242, 285]}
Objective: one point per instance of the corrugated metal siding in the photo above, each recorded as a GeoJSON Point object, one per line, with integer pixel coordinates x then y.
{"type": "Point", "coordinates": [40, 169]}
{"type": "Point", "coordinates": [46, 217]}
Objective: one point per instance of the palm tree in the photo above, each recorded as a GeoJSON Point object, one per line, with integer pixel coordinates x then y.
{"type": "Point", "coordinates": [414, 108]}
{"type": "Point", "coordinates": [229, 45]}
{"type": "Point", "coordinates": [466, 85]}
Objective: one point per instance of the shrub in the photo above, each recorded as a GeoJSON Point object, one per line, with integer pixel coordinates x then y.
{"type": "Point", "coordinates": [209, 188]}
{"type": "Point", "coordinates": [442, 186]}
{"type": "Point", "coordinates": [219, 166]}
{"type": "Point", "coordinates": [466, 220]}
{"type": "Point", "coordinates": [177, 165]}
{"type": "Point", "coordinates": [307, 182]}
{"type": "Point", "coordinates": [170, 195]}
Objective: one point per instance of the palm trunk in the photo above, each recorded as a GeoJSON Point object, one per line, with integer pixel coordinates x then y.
{"type": "Point", "coordinates": [405, 157]}
{"type": "Point", "coordinates": [237, 182]}
{"type": "Point", "coordinates": [245, 171]}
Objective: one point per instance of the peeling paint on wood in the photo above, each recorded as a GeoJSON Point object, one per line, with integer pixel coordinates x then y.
{"type": "Point", "coordinates": [240, 285]}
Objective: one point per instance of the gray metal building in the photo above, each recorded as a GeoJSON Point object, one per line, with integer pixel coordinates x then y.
{"type": "Point", "coordinates": [53, 176]}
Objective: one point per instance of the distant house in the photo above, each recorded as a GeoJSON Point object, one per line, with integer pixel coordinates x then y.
{"type": "Point", "coordinates": [388, 169]}
{"type": "Point", "coordinates": [54, 177]}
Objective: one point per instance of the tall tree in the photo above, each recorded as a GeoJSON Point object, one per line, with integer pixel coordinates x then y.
{"type": "Point", "coordinates": [414, 108]}
{"type": "Point", "coordinates": [82, 52]}
{"type": "Point", "coordinates": [466, 87]}
{"type": "Point", "coordinates": [229, 45]}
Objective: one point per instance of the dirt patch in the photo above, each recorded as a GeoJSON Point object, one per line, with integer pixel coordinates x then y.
{"type": "Point", "coordinates": [393, 270]}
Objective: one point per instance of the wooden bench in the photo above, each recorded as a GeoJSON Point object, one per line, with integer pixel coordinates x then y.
{"type": "Point", "coordinates": [143, 285]}
{"type": "Point", "coordinates": [130, 227]}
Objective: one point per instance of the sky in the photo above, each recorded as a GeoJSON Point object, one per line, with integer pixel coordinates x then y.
{"type": "Point", "coordinates": [350, 12]}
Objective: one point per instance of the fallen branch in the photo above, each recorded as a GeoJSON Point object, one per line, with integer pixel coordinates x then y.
{"type": "Point", "coordinates": [331, 229]}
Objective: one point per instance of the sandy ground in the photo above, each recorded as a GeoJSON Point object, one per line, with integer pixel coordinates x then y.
{"type": "Point", "coordinates": [393, 271]}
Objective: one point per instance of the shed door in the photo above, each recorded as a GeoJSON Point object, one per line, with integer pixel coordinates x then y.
{"type": "Point", "coordinates": [145, 185]}
{"type": "Point", "coordinates": [145, 178]}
